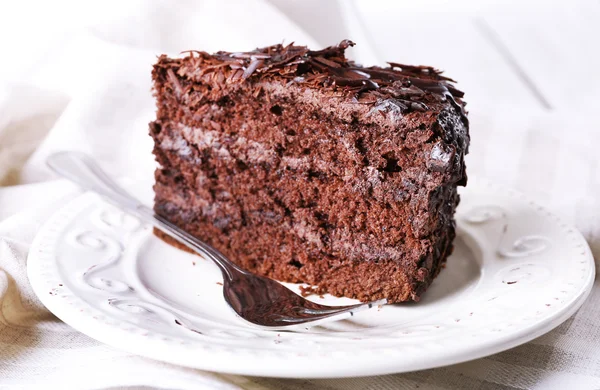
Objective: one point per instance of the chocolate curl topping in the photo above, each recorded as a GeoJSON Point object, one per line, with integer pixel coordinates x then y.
{"type": "Point", "coordinates": [326, 68]}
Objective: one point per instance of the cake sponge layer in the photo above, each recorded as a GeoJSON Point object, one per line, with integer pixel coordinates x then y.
{"type": "Point", "coordinates": [352, 190]}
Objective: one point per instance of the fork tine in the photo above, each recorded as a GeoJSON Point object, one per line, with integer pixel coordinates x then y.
{"type": "Point", "coordinates": [331, 311]}
{"type": "Point", "coordinates": [353, 309]}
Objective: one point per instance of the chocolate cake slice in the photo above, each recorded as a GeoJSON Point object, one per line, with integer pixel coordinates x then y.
{"type": "Point", "coordinates": [306, 167]}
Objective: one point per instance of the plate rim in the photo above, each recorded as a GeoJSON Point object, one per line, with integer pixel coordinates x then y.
{"type": "Point", "coordinates": [117, 336]}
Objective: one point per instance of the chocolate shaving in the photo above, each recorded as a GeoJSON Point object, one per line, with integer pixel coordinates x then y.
{"type": "Point", "coordinates": [417, 106]}
{"type": "Point", "coordinates": [235, 76]}
{"type": "Point", "coordinates": [201, 54]}
{"type": "Point", "coordinates": [251, 68]}
{"type": "Point", "coordinates": [333, 50]}
{"type": "Point", "coordinates": [252, 55]}
{"type": "Point", "coordinates": [327, 62]}
{"type": "Point", "coordinates": [364, 85]}
{"type": "Point", "coordinates": [328, 68]}
{"type": "Point", "coordinates": [419, 70]}
{"type": "Point", "coordinates": [173, 79]}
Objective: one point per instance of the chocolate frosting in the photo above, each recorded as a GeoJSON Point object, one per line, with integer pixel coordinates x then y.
{"type": "Point", "coordinates": [309, 156]}
{"type": "Point", "coordinates": [412, 87]}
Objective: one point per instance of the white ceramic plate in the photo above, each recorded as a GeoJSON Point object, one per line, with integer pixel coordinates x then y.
{"type": "Point", "coordinates": [517, 272]}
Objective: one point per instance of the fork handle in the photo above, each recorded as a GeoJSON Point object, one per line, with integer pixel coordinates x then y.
{"type": "Point", "coordinates": [83, 170]}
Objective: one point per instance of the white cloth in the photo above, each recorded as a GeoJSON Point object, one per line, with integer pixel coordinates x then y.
{"type": "Point", "coordinates": [89, 90]}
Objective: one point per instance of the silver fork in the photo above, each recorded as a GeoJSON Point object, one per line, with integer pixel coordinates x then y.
{"type": "Point", "coordinates": [256, 299]}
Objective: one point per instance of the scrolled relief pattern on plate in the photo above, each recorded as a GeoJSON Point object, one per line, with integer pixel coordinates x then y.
{"type": "Point", "coordinates": [121, 224]}
{"type": "Point", "coordinates": [525, 246]}
{"type": "Point", "coordinates": [119, 294]}
{"type": "Point", "coordinates": [523, 273]}
{"type": "Point", "coordinates": [111, 251]}
{"type": "Point", "coordinates": [521, 247]}
{"type": "Point", "coordinates": [111, 218]}
{"type": "Point", "coordinates": [483, 214]}
{"type": "Point", "coordinates": [152, 313]}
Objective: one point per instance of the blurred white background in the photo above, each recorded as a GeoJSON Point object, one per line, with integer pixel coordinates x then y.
{"type": "Point", "coordinates": [537, 55]}
{"type": "Point", "coordinates": [528, 69]}
{"type": "Point", "coordinates": [76, 75]}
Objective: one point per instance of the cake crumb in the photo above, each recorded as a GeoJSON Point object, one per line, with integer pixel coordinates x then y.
{"type": "Point", "coordinates": [193, 263]}
{"type": "Point", "coordinates": [220, 283]}
{"type": "Point", "coordinates": [310, 290]}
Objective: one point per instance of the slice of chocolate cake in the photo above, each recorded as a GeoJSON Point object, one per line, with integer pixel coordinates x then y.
{"type": "Point", "coordinates": [305, 167]}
